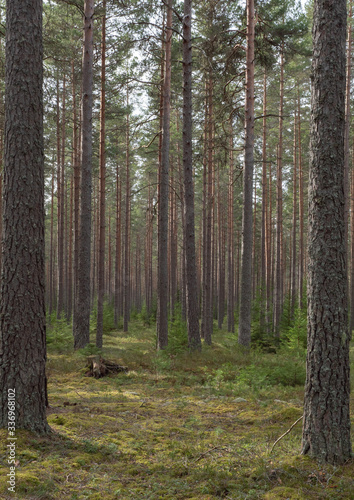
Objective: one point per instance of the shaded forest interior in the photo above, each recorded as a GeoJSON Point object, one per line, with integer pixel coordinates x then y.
{"type": "Point", "coordinates": [180, 260]}
{"type": "Point", "coordinates": [130, 179]}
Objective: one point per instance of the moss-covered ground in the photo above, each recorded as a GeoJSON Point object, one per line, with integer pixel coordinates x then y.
{"type": "Point", "coordinates": [176, 426]}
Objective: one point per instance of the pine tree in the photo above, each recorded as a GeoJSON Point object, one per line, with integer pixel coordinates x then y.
{"type": "Point", "coordinates": [326, 427]}
{"type": "Point", "coordinates": [22, 315]}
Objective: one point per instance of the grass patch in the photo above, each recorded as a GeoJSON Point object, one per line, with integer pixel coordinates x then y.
{"type": "Point", "coordinates": [176, 426]}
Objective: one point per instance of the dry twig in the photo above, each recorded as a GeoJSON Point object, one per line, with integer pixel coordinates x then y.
{"type": "Point", "coordinates": [285, 433]}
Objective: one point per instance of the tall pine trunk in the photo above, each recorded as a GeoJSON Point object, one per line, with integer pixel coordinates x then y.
{"type": "Point", "coordinates": [230, 241]}
{"type": "Point", "coordinates": [189, 228]}
{"type": "Point", "coordinates": [244, 332]}
{"type": "Point", "coordinates": [162, 256]}
{"type": "Point", "coordinates": [126, 294]}
{"type": "Point", "coordinates": [278, 285]}
{"type": "Point", "coordinates": [22, 305]}
{"type": "Point", "coordinates": [81, 323]}
{"type": "Point", "coordinates": [326, 426]}
{"type": "Point", "coordinates": [102, 189]}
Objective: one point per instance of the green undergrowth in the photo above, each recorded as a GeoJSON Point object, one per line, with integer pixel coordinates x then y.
{"type": "Point", "coordinates": [176, 426]}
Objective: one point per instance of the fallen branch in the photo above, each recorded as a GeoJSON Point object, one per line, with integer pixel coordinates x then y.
{"type": "Point", "coordinates": [285, 433]}
{"type": "Point", "coordinates": [99, 367]}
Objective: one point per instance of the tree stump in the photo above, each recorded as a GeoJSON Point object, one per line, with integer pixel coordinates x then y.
{"type": "Point", "coordinates": [99, 367]}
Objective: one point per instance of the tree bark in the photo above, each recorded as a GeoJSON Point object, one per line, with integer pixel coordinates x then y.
{"type": "Point", "coordinates": [230, 241]}
{"type": "Point", "coordinates": [81, 323]}
{"type": "Point", "coordinates": [293, 263]}
{"type": "Point", "coordinates": [326, 426]}
{"type": "Point", "coordinates": [244, 332]}
{"type": "Point", "coordinates": [118, 255]}
{"type": "Point", "coordinates": [126, 296]}
{"type": "Point", "coordinates": [189, 227]}
{"type": "Point", "coordinates": [301, 209]}
{"type": "Point", "coordinates": [22, 305]}
{"type": "Point", "coordinates": [278, 286]}
{"type": "Point", "coordinates": [264, 228]}
{"type": "Point", "coordinates": [70, 254]}
{"type": "Point", "coordinates": [162, 256]}
{"type": "Point", "coordinates": [102, 189]}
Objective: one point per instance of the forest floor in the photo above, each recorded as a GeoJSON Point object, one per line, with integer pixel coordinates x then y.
{"type": "Point", "coordinates": [176, 426]}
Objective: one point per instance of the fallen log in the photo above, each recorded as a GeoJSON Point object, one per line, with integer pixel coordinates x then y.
{"type": "Point", "coordinates": [99, 367]}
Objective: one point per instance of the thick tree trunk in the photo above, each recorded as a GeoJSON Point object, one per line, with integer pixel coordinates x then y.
{"type": "Point", "coordinates": [326, 426]}
{"type": "Point", "coordinates": [189, 228]}
{"type": "Point", "coordinates": [347, 154]}
{"type": "Point", "coordinates": [347, 128]}
{"type": "Point", "coordinates": [351, 324]}
{"type": "Point", "coordinates": [81, 323]}
{"type": "Point", "coordinates": [22, 305]}
{"type": "Point", "coordinates": [244, 331]}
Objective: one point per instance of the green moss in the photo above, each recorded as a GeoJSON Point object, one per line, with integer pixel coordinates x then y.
{"type": "Point", "coordinates": [285, 493]}
{"type": "Point", "coordinates": [171, 430]}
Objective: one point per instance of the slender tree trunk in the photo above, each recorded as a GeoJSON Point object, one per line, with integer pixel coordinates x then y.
{"type": "Point", "coordinates": [293, 263]}
{"type": "Point", "coordinates": [95, 243]}
{"type": "Point", "coordinates": [76, 165]}
{"type": "Point", "coordinates": [301, 210]}
{"type": "Point", "coordinates": [81, 323]}
{"type": "Point", "coordinates": [207, 311]}
{"type": "Point", "coordinates": [118, 255]}
{"type": "Point", "coordinates": [102, 189]}
{"type": "Point", "coordinates": [126, 299]}
{"type": "Point", "coordinates": [148, 253]}
{"type": "Point", "coordinates": [70, 255]}
{"type": "Point", "coordinates": [244, 332]}
{"type": "Point", "coordinates": [230, 241]}
{"type": "Point", "coordinates": [60, 209]}
{"type": "Point", "coordinates": [162, 255]}
{"type": "Point", "coordinates": [221, 258]}
{"type": "Point", "coordinates": [264, 229]}
{"type": "Point", "coordinates": [22, 318]}
{"type": "Point", "coordinates": [278, 288]}
{"type": "Point", "coordinates": [189, 228]}
{"type": "Point", "coordinates": [51, 250]}
{"type": "Point", "coordinates": [173, 243]}
{"type": "Point", "coordinates": [326, 425]}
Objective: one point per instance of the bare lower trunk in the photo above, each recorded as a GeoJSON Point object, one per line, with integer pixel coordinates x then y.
{"type": "Point", "coordinates": [189, 229]}
{"type": "Point", "coordinates": [81, 323]}
{"type": "Point", "coordinates": [244, 332]}
{"type": "Point", "coordinates": [22, 305]}
{"type": "Point", "coordinates": [326, 426]}
{"type": "Point", "coordinates": [102, 191]}
{"type": "Point", "coordinates": [162, 266]}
